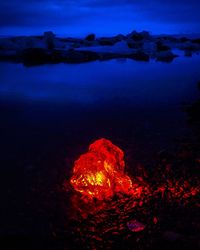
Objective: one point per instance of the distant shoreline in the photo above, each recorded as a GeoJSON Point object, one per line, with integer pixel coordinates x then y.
{"type": "Point", "coordinates": [139, 46]}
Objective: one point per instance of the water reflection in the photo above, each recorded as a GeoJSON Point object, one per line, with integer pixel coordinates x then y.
{"type": "Point", "coordinates": [91, 83]}
{"type": "Point", "coordinates": [135, 104]}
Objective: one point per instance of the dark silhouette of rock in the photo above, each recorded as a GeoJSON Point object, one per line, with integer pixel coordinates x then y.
{"type": "Point", "coordinates": [49, 39]}
{"type": "Point", "coordinates": [109, 41]}
{"type": "Point", "coordinates": [87, 43]}
{"type": "Point", "coordinates": [196, 40]}
{"type": "Point", "coordinates": [56, 56]}
{"type": "Point", "coordinates": [139, 56]}
{"type": "Point", "coordinates": [190, 46]}
{"type": "Point", "coordinates": [139, 36]}
{"type": "Point", "coordinates": [165, 56]}
{"type": "Point", "coordinates": [184, 39]}
{"type": "Point", "coordinates": [90, 37]}
{"type": "Point", "coordinates": [73, 56]}
{"type": "Point", "coordinates": [106, 42]}
{"type": "Point", "coordinates": [134, 44]}
{"type": "Point", "coordinates": [48, 48]}
{"type": "Point", "coordinates": [34, 56]}
{"type": "Point", "coordinates": [71, 40]}
{"type": "Point", "coordinates": [161, 46]}
{"type": "Point", "coordinates": [107, 56]}
{"type": "Point", "coordinates": [119, 37]}
{"type": "Point", "coordinates": [8, 55]}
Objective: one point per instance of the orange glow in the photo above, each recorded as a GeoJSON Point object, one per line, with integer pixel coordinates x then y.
{"type": "Point", "coordinates": [100, 173]}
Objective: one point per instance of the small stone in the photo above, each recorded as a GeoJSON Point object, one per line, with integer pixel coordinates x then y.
{"type": "Point", "coordinates": [135, 226]}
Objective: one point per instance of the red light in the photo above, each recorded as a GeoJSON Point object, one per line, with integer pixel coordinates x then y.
{"type": "Point", "coordinates": [100, 173]}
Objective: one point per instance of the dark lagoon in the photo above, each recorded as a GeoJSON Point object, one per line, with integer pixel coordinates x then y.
{"type": "Point", "coordinates": [56, 107]}
{"type": "Point", "coordinates": [49, 115]}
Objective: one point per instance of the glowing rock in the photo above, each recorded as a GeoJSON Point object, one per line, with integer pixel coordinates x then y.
{"type": "Point", "coordinates": [100, 173]}
{"type": "Point", "coordinates": [135, 226]}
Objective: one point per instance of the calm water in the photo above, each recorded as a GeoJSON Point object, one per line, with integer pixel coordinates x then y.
{"type": "Point", "coordinates": [52, 112]}
{"type": "Point", "coordinates": [52, 107]}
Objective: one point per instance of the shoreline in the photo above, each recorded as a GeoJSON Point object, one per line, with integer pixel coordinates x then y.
{"type": "Point", "coordinates": [139, 46]}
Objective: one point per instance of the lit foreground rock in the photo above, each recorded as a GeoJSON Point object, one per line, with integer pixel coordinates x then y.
{"type": "Point", "coordinates": [99, 173]}
{"type": "Point", "coordinates": [161, 211]}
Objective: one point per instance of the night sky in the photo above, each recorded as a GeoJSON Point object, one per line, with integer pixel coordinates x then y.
{"type": "Point", "coordinates": [103, 17]}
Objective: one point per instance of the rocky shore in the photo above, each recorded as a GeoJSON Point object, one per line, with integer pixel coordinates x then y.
{"type": "Point", "coordinates": [140, 46]}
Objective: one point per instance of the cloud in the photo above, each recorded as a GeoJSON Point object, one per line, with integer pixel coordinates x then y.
{"type": "Point", "coordinates": [22, 12]}
{"type": "Point", "coordinates": [121, 13]}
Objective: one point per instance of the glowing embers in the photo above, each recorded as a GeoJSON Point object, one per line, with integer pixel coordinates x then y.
{"type": "Point", "coordinates": [100, 173]}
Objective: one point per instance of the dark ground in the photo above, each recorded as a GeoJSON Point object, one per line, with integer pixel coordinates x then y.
{"type": "Point", "coordinates": [41, 211]}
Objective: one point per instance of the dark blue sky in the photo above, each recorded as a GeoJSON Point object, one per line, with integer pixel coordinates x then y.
{"type": "Point", "coordinates": [104, 17]}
